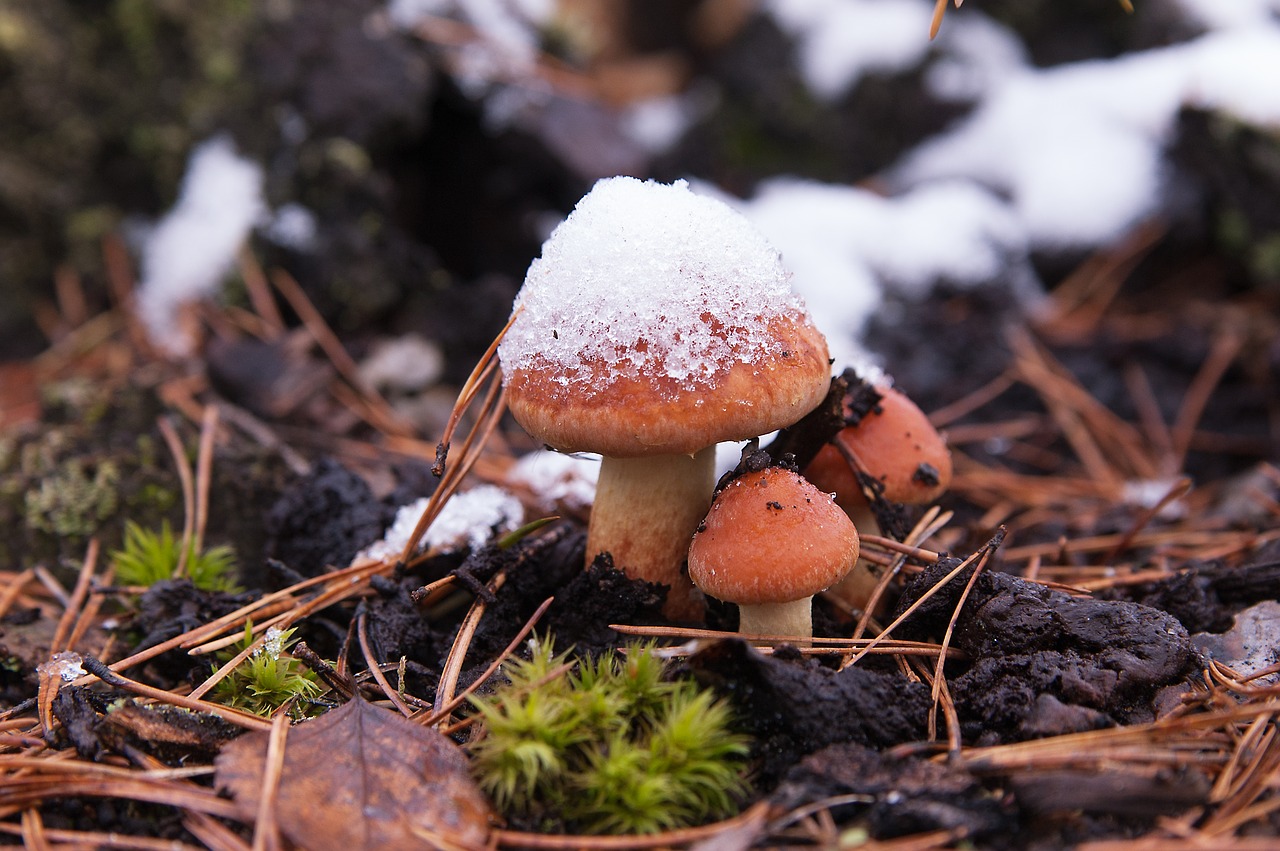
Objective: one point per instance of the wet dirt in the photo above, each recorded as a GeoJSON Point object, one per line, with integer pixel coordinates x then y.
{"type": "Point", "coordinates": [1041, 662]}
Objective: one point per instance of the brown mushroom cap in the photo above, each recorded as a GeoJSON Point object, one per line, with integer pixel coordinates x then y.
{"type": "Point", "coordinates": [772, 537]}
{"type": "Point", "coordinates": [896, 445]}
{"type": "Point", "coordinates": [658, 322]}
{"type": "Point", "coordinates": [641, 415]}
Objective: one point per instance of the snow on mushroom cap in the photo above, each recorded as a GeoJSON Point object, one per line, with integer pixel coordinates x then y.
{"type": "Point", "coordinates": [653, 279]}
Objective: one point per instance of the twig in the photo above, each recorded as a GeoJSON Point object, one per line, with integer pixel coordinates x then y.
{"type": "Point", "coordinates": [266, 831]}
{"type": "Point", "coordinates": [204, 475]}
{"type": "Point", "coordinates": [235, 716]}
{"type": "Point", "coordinates": [438, 715]}
{"type": "Point", "coordinates": [185, 477]}
{"type": "Point", "coordinates": [375, 670]}
{"type": "Point", "coordinates": [457, 653]}
{"type": "Point", "coordinates": [72, 610]}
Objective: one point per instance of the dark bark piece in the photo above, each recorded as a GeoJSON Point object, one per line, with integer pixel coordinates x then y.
{"type": "Point", "coordinates": [172, 607]}
{"type": "Point", "coordinates": [170, 734]}
{"type": "Point", "coordinates": [74, 709]}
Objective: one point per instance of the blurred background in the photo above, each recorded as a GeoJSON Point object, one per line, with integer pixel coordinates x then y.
{"type": "Point", "coordinates": [404, 160]}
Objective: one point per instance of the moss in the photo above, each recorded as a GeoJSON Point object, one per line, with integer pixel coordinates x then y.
{"type": "Point", "coordinates": [156, 497]}
{"type": "Point", "coordinates": [75, 500]}
{"type": "Point", "coordinates": [136, 21]}
{"type": "Point", "coordinates": [90, 465]}
{"type": "Point", "coordinates": [1265, 259]}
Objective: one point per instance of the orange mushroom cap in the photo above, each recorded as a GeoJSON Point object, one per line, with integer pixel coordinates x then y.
{"type": "Point", "coordinates": [641, 415]}
{"type": "Point", "coordinates": [772, 537]}
{"type": "Point", "coordinates": [658, 322]}
{"type": "Point", "coordinates": [895, 444]}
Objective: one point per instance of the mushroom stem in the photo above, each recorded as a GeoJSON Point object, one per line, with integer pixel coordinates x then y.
{"type": "Point", "coordinates": [793, 619]}
{"type": "Point", "coordinates": [859, 583]}
{"type": "Point", "coordinates": [646, 511]}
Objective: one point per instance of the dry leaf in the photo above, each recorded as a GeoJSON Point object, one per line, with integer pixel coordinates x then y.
{"type": "Point", "coordinates": [362, 777]}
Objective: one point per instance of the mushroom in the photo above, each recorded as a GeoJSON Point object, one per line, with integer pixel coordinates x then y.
{"type": "Point", "coordinates": [770, 542]}
{"type": "Point", "coordinates": [895, 444]}
{"type": "Point", "coordinates": [657, 323]}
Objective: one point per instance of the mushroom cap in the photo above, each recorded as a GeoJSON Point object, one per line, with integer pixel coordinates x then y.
{"type": "Point", "coordinates": [772, 537]}
{"type": "Point", "coordinates": [658, 321]}
{"type": "Point", "coordinates": [634, 416]}
{"type": "Point", "coordinates": [900, 447]}
{"type": "Point", "coordinates": [830, 472]}
{"type": "Point", "coordinates": [896, 445]}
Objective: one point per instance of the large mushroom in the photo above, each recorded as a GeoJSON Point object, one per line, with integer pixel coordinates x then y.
{"type": "Point", "coordinates": [770, 542]}
{"type": "Point", "coordinates": [905, 457]}
{"type": "Point", "coordinates": [657, 323]}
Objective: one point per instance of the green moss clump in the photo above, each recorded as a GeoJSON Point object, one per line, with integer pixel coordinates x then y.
{"type": "Point", "coordinates": [149, 557]}
{"type": "Point", "coordinates": [75, 499]}
{"type": "Point", "coordinates": [613, 748]}
{"type": "Point", "coordinates": [269, 678]}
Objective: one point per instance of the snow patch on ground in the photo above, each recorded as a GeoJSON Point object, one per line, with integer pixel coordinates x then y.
{"type": "Point", "coordinates": [472, 519]}
{"type": "Point", "coordinates": [1228, 14]}
{"type": "Point", "coordinates": [1078, 148]}
{"type": "Point", "coordinates": [841, 40]}
{"type": "Point", "coordinates": [844, 245]}
{"type": "Point", "coordinates": [187, 255]}
{"type": "Point", "coordinates": [556, 479]}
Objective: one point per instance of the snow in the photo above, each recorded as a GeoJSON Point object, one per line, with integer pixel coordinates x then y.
{"type": "Point", "coordinates": [1250, 646]}
{"type": "Point", "coordinates": [273, 643]}
{"type": "Point", "coordinates": [1079, 148]}
{"type": "Point", "coordinates": [847, 244]}
{"type": "Point", "coordinates": [471, 518]}
{"type": "Point", "coordinates": [1148, 493]}
{"type": "Point", "coordinates": [556, 479]}
{"type": "Point", "coordinates": [1225, 14]}
{"type": "Point", "coordinates": [292, 226]}
{"type": "Point", "coordinates": [505, 46]}
{"type": "Point", "coordinates": [840, 40]}
{"type": "Point", "coordinates": [194, 246]}
{"type": "Point", "coordinates": [630, 279]}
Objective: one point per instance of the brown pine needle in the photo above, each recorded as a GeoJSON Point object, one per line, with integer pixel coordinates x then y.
{"type": "Point", "coordinates": [204, 475]}
{"type": "Point", "coordinates": [335, 351]}
{"type": "Point", "coordinates": [362, 632]}
{"type": "Point", "coordinates": [458, 652]}
{"type": "Point", "coordinates": [72, 611]}
{"type": "Point", "coordinates": [266, 832]}
{"type": "Point", "coordinates": [440, 714]}
{"type": "Point", "coordinates": [935, 24]}
{"type": "Point", "coordinates": [185, 478]}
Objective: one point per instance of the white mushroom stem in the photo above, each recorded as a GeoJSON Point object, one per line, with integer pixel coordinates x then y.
{"type": "Point", "coordinates": [793, 619]}
{"type": "Point", "coordinates": [860, 583]}
{"type": "Point", "coordinates": [645, 513]}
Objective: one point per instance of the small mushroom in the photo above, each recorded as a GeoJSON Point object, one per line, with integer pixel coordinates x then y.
{"type": "Point", "coordinates": [770, 542]}
{"type": "Point", "coordinates": [895, 444]}
{"type": "Point", "coordinates": [657, 323]}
